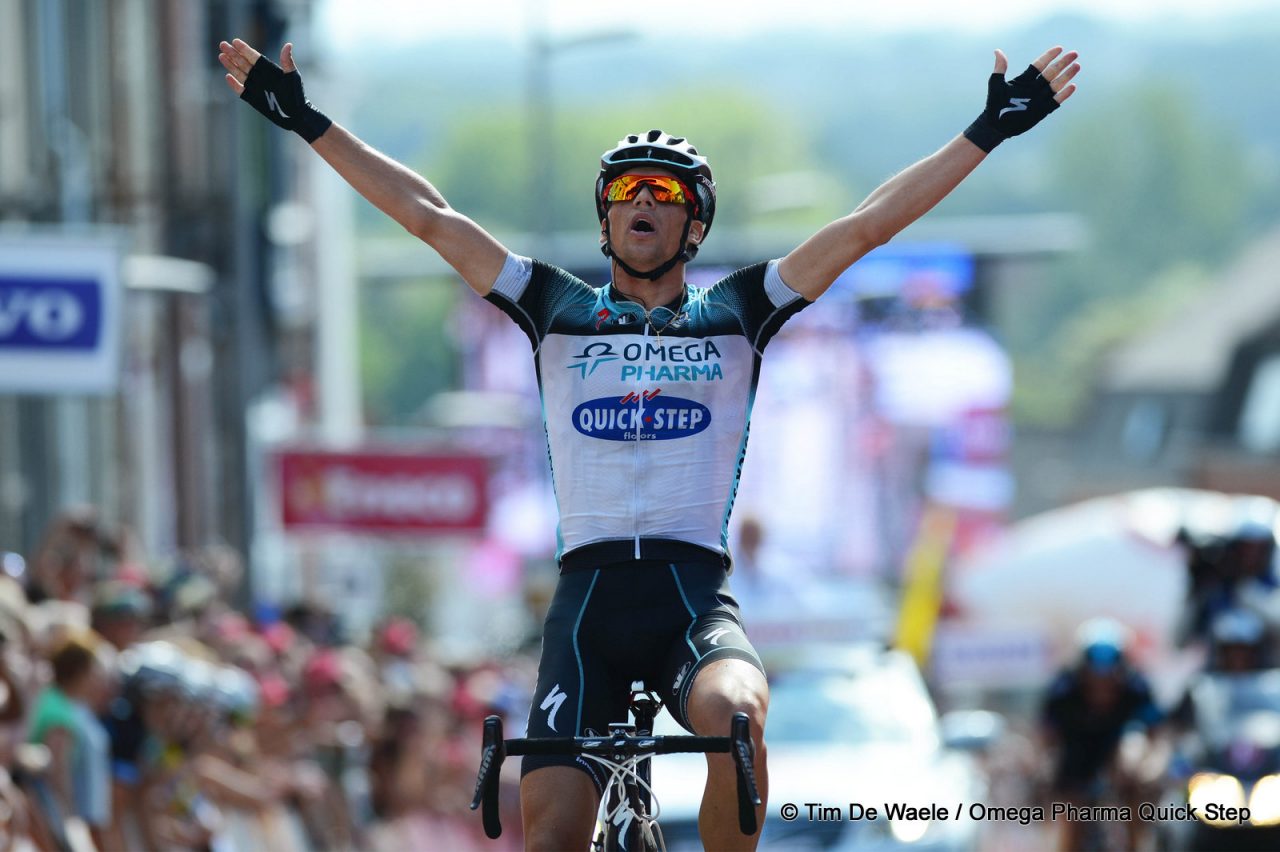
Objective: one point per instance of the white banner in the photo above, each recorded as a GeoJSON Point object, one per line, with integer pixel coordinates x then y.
{"type": "Point", "coordinates": [992, 656]}
{"type": "Point", "coordinates": [60, 314]}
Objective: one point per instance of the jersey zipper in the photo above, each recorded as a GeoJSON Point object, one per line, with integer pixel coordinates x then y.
{"type": "Point", "coordinates": [639, 442]}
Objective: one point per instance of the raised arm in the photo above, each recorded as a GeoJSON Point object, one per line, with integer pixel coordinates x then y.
{"type": "Point", "coordinates": [276, 91]}
{"type": "Point", "coordinates": [1013, 107]}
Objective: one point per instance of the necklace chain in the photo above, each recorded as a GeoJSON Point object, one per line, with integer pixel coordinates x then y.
{"type": "Point", "coordinates": [648, 316]}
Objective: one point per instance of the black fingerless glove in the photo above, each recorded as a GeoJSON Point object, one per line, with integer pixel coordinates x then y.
{"type": "Point", "coordinates": [1014, 106]}
{"type": "Point", "coordinates": [278, 95]}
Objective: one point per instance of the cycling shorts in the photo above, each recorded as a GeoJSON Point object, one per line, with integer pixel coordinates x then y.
{"type": "Point", "coordinates": [651, 620]}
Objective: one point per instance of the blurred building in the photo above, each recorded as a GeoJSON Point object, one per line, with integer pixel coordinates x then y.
{"type": "Point", "coordinates": [1194, 401]}
{"type": "Point", "coordinates": [117, 131]}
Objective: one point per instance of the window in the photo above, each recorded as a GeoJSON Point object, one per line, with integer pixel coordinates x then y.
{"type": "Point", "coordinates": [1259, 429]}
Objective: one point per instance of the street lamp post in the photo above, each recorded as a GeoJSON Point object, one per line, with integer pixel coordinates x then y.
{"type": "Point", "coordinates": [541, 121]}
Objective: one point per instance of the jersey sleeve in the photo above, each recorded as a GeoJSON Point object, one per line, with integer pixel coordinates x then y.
{"type": "Point", "coordinates": [534, 293]}
{"type": "Point", "coordinates": [760, 299]}
{"type": "Point", "coordinates": [1147, 713]}
{"type": "Point", "coordinates": [1053, 707]}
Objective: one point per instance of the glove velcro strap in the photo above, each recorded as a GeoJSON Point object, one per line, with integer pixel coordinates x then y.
{"type": "Point", "coordinates": [983, 134]}
{"type": "Point", "coordinates": [312, 124]}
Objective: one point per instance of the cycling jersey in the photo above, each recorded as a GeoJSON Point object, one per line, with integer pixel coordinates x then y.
{"type": "Point", "coordinates": [646, 413]}
{"type": "Point", "coordinates": [1090, 735]}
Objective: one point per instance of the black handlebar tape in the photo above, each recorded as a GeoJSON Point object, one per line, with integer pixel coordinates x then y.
{"type": "Point", "coordinates": [748, 792]}
{"type": "Point", "coordinates": [706, 745]}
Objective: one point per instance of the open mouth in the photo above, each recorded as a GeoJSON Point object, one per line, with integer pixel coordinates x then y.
{"type": "Point", "coordinates": [642, 226]}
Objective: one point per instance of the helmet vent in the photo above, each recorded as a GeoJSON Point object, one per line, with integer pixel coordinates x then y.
{"type": "Point", "coordinates": [653, 135]}
{"type": "Point", "coordinates": [633, 138]}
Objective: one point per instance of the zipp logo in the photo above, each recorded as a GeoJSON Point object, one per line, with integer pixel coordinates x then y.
{"type": "Point", "coordinates": [553, 701]}
{"type": "Point", "coordinates": [713, 636]}
{"type": "Point", "coordinates": [1015, 105]}
{"type": "Point", "coordinates": [275, 104]}
{"type": "Point", "coordinates": [680, 675]}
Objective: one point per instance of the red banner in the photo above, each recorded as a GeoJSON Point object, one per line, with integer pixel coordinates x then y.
{"type": "Point", "coordinates": [383, 492]}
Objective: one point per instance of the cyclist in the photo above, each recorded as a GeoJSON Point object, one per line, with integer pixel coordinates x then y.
{"type": "Point", "coordinates": [1096, 718]}
{"type": "Point", "coordinates": [646, 387]}
{"type": "Point", "coordinates": [1236, 571]}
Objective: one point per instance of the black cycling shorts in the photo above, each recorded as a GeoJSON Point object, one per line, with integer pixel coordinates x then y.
{"type": "Point", "coordinates": [649, 620]}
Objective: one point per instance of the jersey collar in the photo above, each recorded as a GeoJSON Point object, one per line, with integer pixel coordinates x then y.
{"type": "Point", "coordinates": [622, 301]}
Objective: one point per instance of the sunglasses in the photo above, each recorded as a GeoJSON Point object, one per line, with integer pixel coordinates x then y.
{"type": "Point", "coordinates": [666, 190]}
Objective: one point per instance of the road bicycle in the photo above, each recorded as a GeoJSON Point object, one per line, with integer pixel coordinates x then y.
{"type": "Point", "coordinates": [627, 817]}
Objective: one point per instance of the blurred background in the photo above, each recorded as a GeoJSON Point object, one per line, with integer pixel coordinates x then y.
{"type": "Point", "coordinates": [245, 416]}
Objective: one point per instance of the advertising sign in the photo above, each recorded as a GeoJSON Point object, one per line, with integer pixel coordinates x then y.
{"type": "Point", "coordinates": [381, 492]}
{"type": "Point", "coordinates": [992, 656]}
{"type": "Point", "coordinates": [60, 314]}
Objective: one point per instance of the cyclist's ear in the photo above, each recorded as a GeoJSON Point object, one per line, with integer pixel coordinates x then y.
{"type": "Point", "coordinates": [696, 230]}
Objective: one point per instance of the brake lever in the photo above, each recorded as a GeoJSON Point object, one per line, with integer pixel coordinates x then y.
{"type": "Point", "coordinates": [748, 792]}
{"type": "Point", "coordinates": [493, 752]}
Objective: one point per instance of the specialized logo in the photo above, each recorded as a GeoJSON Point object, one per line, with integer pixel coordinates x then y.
{"type": "Point", "coordinates": [275, 104]}
{"type": "Point", "coordinates": [621, 820]}
{"type": "Point", "coordinates": [553, 701]}
{"type": "Point", "coordinates": [713, 636]}
{"type": "Point", "coordinates": [1015, 105]}
{"type": "Point", "coordinates": [641, 418]}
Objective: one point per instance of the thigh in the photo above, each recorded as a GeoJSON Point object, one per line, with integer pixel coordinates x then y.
{"type": "Point", "coordinates": [713, 632]}
{"type": "Point", "coordinates": [558, 808]}
{"type": "Point", "coordinates": [723, 687]}
{"type": "Point", "coordinates": [577, 690]}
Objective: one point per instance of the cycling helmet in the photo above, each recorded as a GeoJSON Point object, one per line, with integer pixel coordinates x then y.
{"type": "Point", "coordinates": [1102, 643]}
{"type": "Point", "coordinates": [1254, 530]}
{"type": "Point", "coordinates": [236, 693]}
{"type": "Point", "coordinates": [152, 668]}
{"type": "Point", "coordinates": [1251, 547]}
{"type": "Point", "coordinates": [674, 154]}
{"type": "Point", "coordinates": [1238, 641]}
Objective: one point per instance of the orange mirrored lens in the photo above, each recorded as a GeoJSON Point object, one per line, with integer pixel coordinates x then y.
{"type": "Point", "coordinates": [666, 190]}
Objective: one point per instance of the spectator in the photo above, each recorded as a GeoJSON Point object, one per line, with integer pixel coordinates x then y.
{"type": "Point", "coordinates": [68, 559]}
{"type": "Point", "coordinates": [65, 720]}
{"type": "Point", "coordinates": [120, 613]}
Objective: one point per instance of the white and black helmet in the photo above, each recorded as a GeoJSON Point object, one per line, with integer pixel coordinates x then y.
{"type": "Point", "coordinates": [672, 153]}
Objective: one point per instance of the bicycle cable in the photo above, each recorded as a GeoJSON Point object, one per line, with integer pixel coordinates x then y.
{"type": "Point", "coordinates": [619, 773]}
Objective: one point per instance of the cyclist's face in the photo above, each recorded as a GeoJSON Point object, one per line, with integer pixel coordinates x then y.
{"type": "Point", "coordinates": [1101, 689]}
{"type": "Point", "coordinates": [1237, 657]}
{"type": "Point", "coordinates": [645, 232]}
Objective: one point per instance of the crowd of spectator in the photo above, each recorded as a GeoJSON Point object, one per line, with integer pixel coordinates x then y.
{"type": "Point", "coordinates": [140, 709]}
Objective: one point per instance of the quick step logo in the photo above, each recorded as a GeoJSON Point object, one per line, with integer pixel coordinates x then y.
{"type": "Point", "coordinates": [663, 418]}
